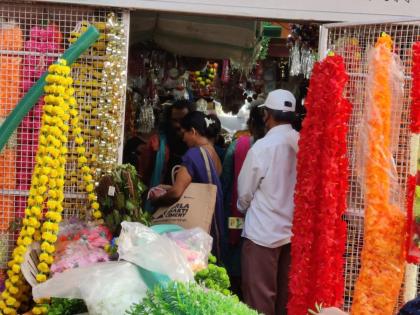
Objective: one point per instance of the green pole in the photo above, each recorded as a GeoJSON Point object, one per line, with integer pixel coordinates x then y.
{"type": "Point", "coordinates": [31, 97]}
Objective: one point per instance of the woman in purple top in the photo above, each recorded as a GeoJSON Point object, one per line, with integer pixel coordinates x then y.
{"type": "Point", "coordinates": [197, 128]}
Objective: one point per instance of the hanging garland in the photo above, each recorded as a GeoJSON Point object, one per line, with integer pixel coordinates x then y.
{"type": "Point", "coordinates": [47, 183]}
{"type": "Point", "coordinates": [415, 90]}
{"type": "Point", "coordinates": [319, 233]}
{"type": "Point", "coordinates": [113, 91]}
{"type": "Point", "coordinates": [87, 77]}
{"type": "Point", "coordinates": [413, 213]}
{"type": "Point", "coordinates": [383, 256]}
{"type": "Point", "coordinates": [47, 186]}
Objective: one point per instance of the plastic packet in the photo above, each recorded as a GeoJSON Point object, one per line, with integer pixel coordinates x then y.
{"type": "Point", "coordinates": [107, 288]}
{"type": "Point", "coordinates": [157, 253]}
{"type": "Point", "coordinates": [195, 244]}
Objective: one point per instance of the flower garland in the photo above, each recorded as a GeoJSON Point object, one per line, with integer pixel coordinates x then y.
{"type": "Point", "coordinates": [82, 161]}
{"type": "Point", "coordinates": [44, 40]}
{"type": "Point", "coordinates": [319, 233]}
{"type": "Point", "coordinates": [47, 187]}
{"type": "Point", "coordinates": [412, 246]}
{"type": "Point", "coordinates": [383, 254]}
{"type": "Point", "coordinates": [415, 90]}
{"type": "Point", "coordinates": [113, 91]}
{"type": "Point", "coordinates": [85, 125]}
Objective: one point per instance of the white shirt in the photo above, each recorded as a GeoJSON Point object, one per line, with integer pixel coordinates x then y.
{"type": "Point", "coordinates": [266, 187]}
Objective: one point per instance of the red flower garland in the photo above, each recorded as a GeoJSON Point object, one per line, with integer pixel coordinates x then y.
{"type": "Point", "coordinates": [318, 244]}
{"type": "Point", "coordinates": [413, 251]}
{"type": "Point", "coordinates": [415, 90]}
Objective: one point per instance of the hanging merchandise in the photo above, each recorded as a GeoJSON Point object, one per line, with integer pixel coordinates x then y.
{"type": "Point", "coordinates": [87, 77]}
{"type": "Point", "coordinates": [11, 39]}
{"type": "Point", "coordinates": [47, 183]}
{"type": "Point", "coordinates": [415, 90]}
{"type": "Point", "coordinates": [295, 60]}
{"type": "Point", "coordinates": [225, 71]}
{"type": "Point", "coordinates": [319, 232]}
{"type": "Point", "coordinates": [383, 254]}
{"type": "Point", "coordinates": [307, 62]}
{"type": "Point", "coordinates": [413, 190]}
{"type": "Point", "coordinates": [43, 40]}
{"type": "Point", "coordinates": [146, 120]}
{"type": "Point", "coordinates": [112, 92]}
{"type": "Point", "coordinates": [203, 81]}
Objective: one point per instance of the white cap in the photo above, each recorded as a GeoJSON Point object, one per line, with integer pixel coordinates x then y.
{"type": "Point", "coordinates": [280, 100]}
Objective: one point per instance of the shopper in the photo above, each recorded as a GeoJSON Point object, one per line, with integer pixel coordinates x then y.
{"type": "Point", "coordinates": [166, 148]}
{"type": "Point", "coordinates": [196, 127]}
{"type": "Point", "coordinates": [132, 151]}
{"type": "Point", "coordinates": [265, 193]}
{"type": "Point", "coordinates": [215, 137]}
{"type": "Point", "coordinates": [232, 164]}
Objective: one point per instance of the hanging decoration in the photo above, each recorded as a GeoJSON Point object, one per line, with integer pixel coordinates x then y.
{"type": "Point", "coordinates": [47, 184]}
{"type": "Point", "coordinates": [112, 93]}
{"type": "Point", "coordinates": [295, 61]}
{"type": "Point", "coordinates": [413, 190]}
{"type": "Point", "coordinates": [303, 41]}
{"type": "Point", "coordinates": [87, 77]}
{"type": "Point", "coordinates": [383, 254]}
{"type": "Point", "coordinates": [415, 90]}
{"type": "Point", "coordinates": [43, 40]}
{"type": "Point", "coordinates": [203, 81]}
{"type": "Point", "coordinates": [307, 62]}
{"type": "Point", "coordinates": [319, 232]}
{"type": "Point", "coordinates": [11, 39]}
{"type": "Point", "coordinates": [146, 119]}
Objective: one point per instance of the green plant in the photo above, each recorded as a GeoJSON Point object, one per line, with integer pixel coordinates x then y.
{"type": "Point", "coordinates": [214, 277]}
{"type": "Point", "coordinates": [188, 299]}
{"type": "Point", "coordinates": [119, 195]}
{"type": "Point", "coordinates": [61, 306]}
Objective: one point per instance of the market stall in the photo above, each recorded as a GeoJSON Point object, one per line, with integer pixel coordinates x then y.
{"type": "Point", "coordinates": [61, 162]}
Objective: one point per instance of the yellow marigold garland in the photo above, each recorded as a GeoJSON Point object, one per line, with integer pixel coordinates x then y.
{"type": "Point", "coordinates": [88, 76]}
{"type": "Point", "coordinates": [47, 183]}
{"type": "Point", "coordinates": [47, 187]}
{"type": "Point", "coordinates": [82, 161]}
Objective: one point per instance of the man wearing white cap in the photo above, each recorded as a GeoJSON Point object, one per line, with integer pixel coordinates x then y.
{"type": "Point", "coordinates": [265, 193]}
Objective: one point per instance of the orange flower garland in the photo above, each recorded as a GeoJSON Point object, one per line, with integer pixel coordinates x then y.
{"type": "Point", "coordinates": [382, 270]}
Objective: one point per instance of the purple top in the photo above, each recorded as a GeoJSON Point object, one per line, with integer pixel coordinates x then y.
{"type": "Point", "coordinates": [194, 162]}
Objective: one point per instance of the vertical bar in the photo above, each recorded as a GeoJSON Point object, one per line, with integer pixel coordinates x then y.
{"type": "Point", "coordinates": [323, 42]}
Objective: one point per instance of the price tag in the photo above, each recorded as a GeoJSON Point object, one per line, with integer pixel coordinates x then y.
{"type": "Point", "coordinates": [111, 191]}
{"type": "Point", "coordinates": [236, 223]}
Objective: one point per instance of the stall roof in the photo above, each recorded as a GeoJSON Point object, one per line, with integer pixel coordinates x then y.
{"type": "Point", "coordinates": [320, 10]}
{"type": "Point", "coordinates": [198, 36]}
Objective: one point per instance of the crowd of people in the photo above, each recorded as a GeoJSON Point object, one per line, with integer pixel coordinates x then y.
{"type": "Point", "coordinates": [255, 177]}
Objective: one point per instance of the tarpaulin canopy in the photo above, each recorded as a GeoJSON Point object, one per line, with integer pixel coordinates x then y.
{"type": "Point", "coordinates": [199, 36]}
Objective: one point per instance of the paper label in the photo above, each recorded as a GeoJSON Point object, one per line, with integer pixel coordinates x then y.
{"type": "Point", "coordinates": [236, 223]}
{"type": "Point", "coordinates": [111, 191]}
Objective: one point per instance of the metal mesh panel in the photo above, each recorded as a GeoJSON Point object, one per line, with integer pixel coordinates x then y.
{"type": "Point", "coordinates": [353, 42]}
{"type": "Point", "coordinates": [31, 37]}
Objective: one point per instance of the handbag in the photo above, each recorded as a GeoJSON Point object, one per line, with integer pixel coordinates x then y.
{"type": "Point", "coordinates": [196, 206]}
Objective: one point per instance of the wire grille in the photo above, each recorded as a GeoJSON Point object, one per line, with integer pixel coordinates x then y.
{"type": "Point", "coordinates": [33, 35]}
{"type": "Point", "coordinates": [353, 42]}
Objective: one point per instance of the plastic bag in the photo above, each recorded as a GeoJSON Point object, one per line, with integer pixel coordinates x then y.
{"type": "Point", "coordinates": [157, 253]}
{"type": "Point", "coordinates": [107, 288]}
{"type": "Point", "coordinates": [195, 244]}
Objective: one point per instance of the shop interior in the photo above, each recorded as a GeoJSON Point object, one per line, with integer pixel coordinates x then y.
{"type": "Point", "coordinates": [223, 64]}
